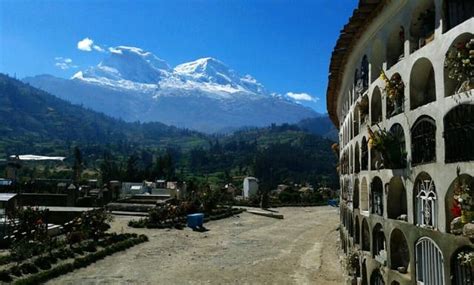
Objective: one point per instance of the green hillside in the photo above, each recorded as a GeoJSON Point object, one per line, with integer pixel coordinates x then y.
{"type": "Point", "coordinates": [35, 122]}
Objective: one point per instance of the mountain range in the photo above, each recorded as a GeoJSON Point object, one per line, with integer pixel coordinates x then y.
{"type": "Point", "coordinates": [31, 120]}
{"type": "Point", "coordinates": [205, 95]}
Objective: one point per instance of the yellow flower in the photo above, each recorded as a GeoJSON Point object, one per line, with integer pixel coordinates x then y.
{"type": "Point", "coordinates": [370, 143]}
{"type": "Point", "coordinates": [383, 76]}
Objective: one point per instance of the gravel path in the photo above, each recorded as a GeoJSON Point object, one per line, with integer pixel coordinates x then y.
{"type": "Point", "coordinates": [248, 249]}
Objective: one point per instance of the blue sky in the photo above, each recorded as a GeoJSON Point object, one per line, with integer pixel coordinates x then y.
{"type": "Point", "coordinates": [286, 45]}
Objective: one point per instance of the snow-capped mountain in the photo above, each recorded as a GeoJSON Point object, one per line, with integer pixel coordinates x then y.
{"type": "Point", "coordinates": [206, 95]}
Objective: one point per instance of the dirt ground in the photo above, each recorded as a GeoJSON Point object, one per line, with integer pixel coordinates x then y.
{"type": "Point", "coordinates": [246, 249]}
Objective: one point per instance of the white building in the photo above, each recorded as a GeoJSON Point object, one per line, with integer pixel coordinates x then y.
{"type": "Point", "coordinates": [397, 202]}
{"type": "Point", "coordinates": [250, 187]}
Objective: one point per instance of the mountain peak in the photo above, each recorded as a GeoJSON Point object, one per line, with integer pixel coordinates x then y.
{"type": "Point", "coordinates": [129, 63]}
{"type": "Point", "coordinates": [202, 65]}
{"type": "Point", "coordinates": [208, 70]}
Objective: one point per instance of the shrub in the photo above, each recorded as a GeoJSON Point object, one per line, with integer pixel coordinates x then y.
{"type": "Point", "coordinates": [141, 223]}
{"type": "Point", "coordinates": [15, 270]}
{"type": "Point", "coordinates": [75, 237]}
{"type": "Point", "coordinates": [78, 250]}
{"type": "Point", "coordinates": [90, 246]}
{"type": "Point", "coordinates": [117, 238]}
{"type": "Point", "coordinates": [31, 221]}
{"type": "Point", "coordinates": [95, 223]}
{"type": "Point", "coordinates": [46, 275]}
{"type": "Point", "coordinates": [43, 263]}
{"type": "Point", "coordinates": [83, 261]}
{"type": "Point", "coordinates": [23, 249]}
{"type": "Point", "coordinates": [210, 199]}
{"type": "Point", "coordinates": [5, 259]}
{"type": "Point", "coordinates": [28, 268]}
{"type": "Point", "coordinates": [64, 253]}
{"type": "Point", "coordinates": [91, 224]}
{"type": "Point", "coordinates": [5, 276]}
{"type": "Point", "coordinates": [289, 196]}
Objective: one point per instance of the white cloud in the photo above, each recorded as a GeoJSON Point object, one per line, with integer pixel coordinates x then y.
{"type": "Point", "coordinates": [64, 63]}
{"type": "Point", "coordinates": [302, 97]}
{"type": "Point", "coordinates": [85, 44]}
{"type": "Point", "coordinates": [98, 48]}
{"type": "Point", "coordinates": [114, 50]}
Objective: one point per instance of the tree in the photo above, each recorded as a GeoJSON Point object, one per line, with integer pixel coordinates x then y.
{"type": "Point", "coordinates": [132, 172]}
{"type": "Point", "coordinates": [108, 168]}
{"type": "Point", "coordinates": [78, 165]}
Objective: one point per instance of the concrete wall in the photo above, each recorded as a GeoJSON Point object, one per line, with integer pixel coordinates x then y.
{"type": "Point", "coordinates": [375, 43]}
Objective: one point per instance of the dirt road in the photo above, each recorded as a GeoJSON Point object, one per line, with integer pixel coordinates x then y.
{"type": "Point", "coordinates": [249, 249]}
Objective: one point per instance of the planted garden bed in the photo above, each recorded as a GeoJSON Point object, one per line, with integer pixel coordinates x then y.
{"type": "Point", "coordinates": [35, 256]}
{"type": "Point", "coordinates": [48, 265]}
{"type": "Point", "coordinates": [179, 221]}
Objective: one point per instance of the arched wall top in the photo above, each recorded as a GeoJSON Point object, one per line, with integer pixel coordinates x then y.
{"type": "Point", "coordinates": [421, 119]}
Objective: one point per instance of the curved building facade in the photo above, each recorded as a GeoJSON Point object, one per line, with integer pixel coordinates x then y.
{"type": "Point", "coordinates": [406, 141]}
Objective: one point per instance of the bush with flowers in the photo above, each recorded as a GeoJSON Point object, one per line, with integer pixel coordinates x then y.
{"type": "Point", "coordinates": [389, 146]}
{"type": "Point", "coordinates": [363, 106]}
{"type": "Point", "coordinates": [466, 258]}
{"type": "Point", "coordinates": [394, 90]}
{"type": "Point", "coordinates": [460, 64]}
{"type": "Point", "coordinates": [463, 201]}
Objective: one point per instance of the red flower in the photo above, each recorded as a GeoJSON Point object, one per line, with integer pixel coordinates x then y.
{"type": "Point", "coordinates": [456, 209]}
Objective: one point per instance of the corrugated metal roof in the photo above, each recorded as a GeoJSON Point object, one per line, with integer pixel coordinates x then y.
{"type": "Point", "coordinates": [4, 197]}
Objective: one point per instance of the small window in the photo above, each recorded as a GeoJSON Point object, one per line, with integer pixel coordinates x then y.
{"type": "Point", "coordinates": [426, 208]}
{"type": "Point", "coordinates": [365, 154]}
{"type": "Point", "coordinates": [396, 199]}
{"type": "Point", "coordinates": [361, 77]}
{"type": "Point", "coordinates": [462, 270]}
{"type": "Point", "coordinates": [365, 236]}
{"type": "Point", "coordinates": [377, 196]}
{"type": "Point", "coordinates": [357, 231]}
{"type": "Point", "coordinates": [422, 24]}
{"type": "Point", "coordinates": [423, 141]}
{"type": "Point", "coordinates": [376, 107]}
{"type": "Point", "coordinates": [459, 134]}
{"type": "Point", "coordinates": [422, 84]}
{"type": "Point", "coordinates": [399, 251]}
{"type": "Point", "coordinates": [457, 11]}
{"type": "Point", "coordinates": [355, 198]}
{"type": "Point", "coordinates": [357, 158]}
{"type": "Point", "coordinates": [429, 263]}
{"type": "Point", "coordinates": [378, 240]}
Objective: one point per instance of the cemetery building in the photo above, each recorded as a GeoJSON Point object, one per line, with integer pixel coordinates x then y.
{"type": "Point", "coordinates": [404, 105]}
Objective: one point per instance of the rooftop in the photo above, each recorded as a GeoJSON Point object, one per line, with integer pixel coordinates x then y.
{"type": "Point", "coordinates": [4, 197]}
{"type": "Point", "coordinates": [361, 18]}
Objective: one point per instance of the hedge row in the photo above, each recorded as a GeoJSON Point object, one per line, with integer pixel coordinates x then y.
{"type": "Point", "coordinates": [81, 262]}
{"type": "Point", "coordinates": [279, 205]}
{"type": "Point", "coordinates": [144, 223]}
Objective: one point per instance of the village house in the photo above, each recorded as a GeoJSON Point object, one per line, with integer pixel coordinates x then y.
{"type": "Point", "coordinates": [405, 113]}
